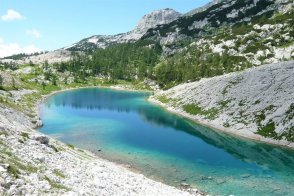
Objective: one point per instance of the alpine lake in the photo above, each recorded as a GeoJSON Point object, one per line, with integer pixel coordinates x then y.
{"type": "Point", "coordinates": [123, 127]}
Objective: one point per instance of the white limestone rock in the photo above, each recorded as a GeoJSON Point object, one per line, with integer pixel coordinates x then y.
{"type": "Point", "coordinates": [239, 97]}
{"type": "Point", "coordinates": [79, 172]}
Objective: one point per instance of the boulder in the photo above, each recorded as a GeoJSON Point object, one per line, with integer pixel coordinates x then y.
{"type": "Point", "coordinates": [43, 140]}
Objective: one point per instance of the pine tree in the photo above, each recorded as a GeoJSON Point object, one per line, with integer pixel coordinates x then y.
{"type": "Point", "coordinates": [1, 81]}
{"type": "Point", "coordinates": [13, 83]}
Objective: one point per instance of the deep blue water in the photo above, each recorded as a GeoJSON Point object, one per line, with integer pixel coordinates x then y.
{"type": "Point", "coordinates": [130, 130]}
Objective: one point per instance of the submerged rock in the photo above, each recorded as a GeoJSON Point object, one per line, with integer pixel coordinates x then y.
{"type": "Point", "coordinates": [220, 181]}
{"type": "Point", "coordinates": [183, 184]}
{"type": "Point", "coordinates": [206, 178]}
{"type": "Point", "coordinates": [245, 175]}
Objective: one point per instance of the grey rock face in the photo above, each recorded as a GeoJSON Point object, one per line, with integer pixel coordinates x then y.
{"type": "Point", "coordinates": [240, 98]}
{"type": "Point", "coordinates": [155, 18]}
{"type": "Point", "coordinates": [43, 140]}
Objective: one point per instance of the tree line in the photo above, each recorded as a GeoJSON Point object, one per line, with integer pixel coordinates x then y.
{"type": "Point", "coordinates": [144, 59]}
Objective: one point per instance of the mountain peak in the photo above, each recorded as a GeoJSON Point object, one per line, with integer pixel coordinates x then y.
{"type": "Point", "coordinates": [152, 20]}
{"type": "Point", "coordinates": [157, 17]}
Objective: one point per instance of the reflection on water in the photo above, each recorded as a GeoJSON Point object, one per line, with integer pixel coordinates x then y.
{"type": "Point", "coordinates": [165, 146]}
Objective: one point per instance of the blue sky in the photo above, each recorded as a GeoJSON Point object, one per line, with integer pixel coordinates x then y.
{"type": "Point", "coordinates": [28, 25]}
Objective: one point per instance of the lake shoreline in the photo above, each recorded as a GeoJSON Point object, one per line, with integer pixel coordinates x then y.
{"type": "Point", "coordinates": [151, 99]}
{"type": "Point", "coordinates": [242, 135]}
{"type": "Point", "coordinates": [187, 188]}
{"type": "Point", "coordinates": [46, 166]}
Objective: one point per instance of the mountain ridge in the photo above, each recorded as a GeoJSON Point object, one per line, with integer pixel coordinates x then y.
{"type": "Point", "coordinates": [157, 17]}
{"type": "Point", "coordinates": [201, 25]}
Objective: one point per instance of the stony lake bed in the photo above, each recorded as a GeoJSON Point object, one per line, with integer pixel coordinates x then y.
{"type": "Point", "coordinates": [124, 127]}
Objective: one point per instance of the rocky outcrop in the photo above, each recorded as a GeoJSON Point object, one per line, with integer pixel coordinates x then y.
{"type": "Point", "coordinates": [155, 18]}
{"type": "Point", "coordinates": [34, 164]}
{"type": "Point", "coordinates": [257, 103]}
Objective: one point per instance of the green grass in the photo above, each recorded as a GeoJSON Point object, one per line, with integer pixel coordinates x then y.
{"type": "Point", "coordinates": [55, 185]}
{"type": "Point", "coordinates": [288, 134]}
{"type": "Point", "coordinates": [4, 133]}
{"type": "Point", "coordinates": [7, 152]}
{"type": "Point", "coordinates": [242, 103]}
{"type": "Point", "coordinates": [224, 103]}
{"type": "Point", "coordinates": [195, 109]}
{"type": "Point", "coordinates": [70, 146]}
{"type": "Point", "coordinates": [262, 114]}
{"type": "Point", "coordinates": [25, 167]}
{"type": "Point", "coordinates": [13, 171]}
{"type": "Point", "coordinates": [268, 130]}
{"type": "Point", "coordinates": [58, 173]}
{"type": "Point", "coordinates": [225, 90]}
{"type": "Point", "coordinates": [25, 135]}
{"type": "Point", "coordinates": [16, 165]}
{"type": "Point", "coordinates": [226, 124]}
{"type": "Point", "coordinates": [164, 99]}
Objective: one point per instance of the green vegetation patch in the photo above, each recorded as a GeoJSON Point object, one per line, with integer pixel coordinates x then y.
{"type": "Point", "coordinates": [164, 99]}
{"type": "Point", "coordinates": [25, 135]}
{"type": "Point", "coordinates": [55, 185]}
{"type": "Point", "coordinates": [261, 115]}
{"type": "Point", "coordinates": [4, 133]}
{"type": "Point", "coordinates": [268, 130]}
{"type": "Point", "coordinates": [13, 171]}
{"type": "Point", "coordinates": [58, 173]}
{"type": "Point", "coordinates": [288, 135]}
{"type": "Point", "coordinates": [195, 109]}
{"type": "Point", "coordinates": [224, 103]}
{"type": "Point", "coordinates": [16, 166]}
{"type": "Point", "coordinates": [70, 146]}
{"type": "Point", "coordinates": [289, 113]}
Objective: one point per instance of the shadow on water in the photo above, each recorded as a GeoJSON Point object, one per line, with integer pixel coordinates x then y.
{"type": "Point", "coordinates": [268, 156]}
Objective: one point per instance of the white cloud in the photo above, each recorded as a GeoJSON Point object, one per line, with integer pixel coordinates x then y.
{"type": "Point", "coordinates": [33, 32]}
{"type": "Point", "coordinates": [14, 48]}
{"type": "Point", "coordinates": [1, 40]}
{"type": "Point", "coordinates": [12, 15]}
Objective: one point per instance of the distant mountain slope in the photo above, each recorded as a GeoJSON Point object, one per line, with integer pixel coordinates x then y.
{"type": "Point", "coordinates": [158, 17]}
{"type": "Point", "coordinates": [257, 101]}
{"type": "Point", "coordinates": [216, 14]}
{"type": "Point", "coordinates": [254, 32]}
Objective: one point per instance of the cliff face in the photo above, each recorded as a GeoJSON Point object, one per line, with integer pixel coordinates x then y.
{"type": "Point", "coordinates": [256, 103]}
{"type": "Point", "coordinates": [158, 17]}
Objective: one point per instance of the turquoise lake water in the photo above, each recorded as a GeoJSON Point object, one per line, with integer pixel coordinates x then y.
{"type": "Point", "coordinates": [124, 127]}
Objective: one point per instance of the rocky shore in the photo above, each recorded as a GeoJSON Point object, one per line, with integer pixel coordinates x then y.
{"type": "Point", "coordinates": [256, 104]}
{"type": "Point", "coordinates": [34, 164]}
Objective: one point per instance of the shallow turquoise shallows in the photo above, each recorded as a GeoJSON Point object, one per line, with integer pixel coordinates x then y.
{"type": "Point", "coordinates": [126, 128]}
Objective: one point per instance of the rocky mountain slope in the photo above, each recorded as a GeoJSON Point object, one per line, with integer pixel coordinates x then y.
{"type": "Point", "coordinates": [239, 28]}
{"type": "Point", "coordinates": [257, 103]}
{"type": "Point", "coordinates": [215, 15]}
{"type": "Point", "coordinates": [34, 164]}
{"type": "Point", "coordinates": [155, 18]}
